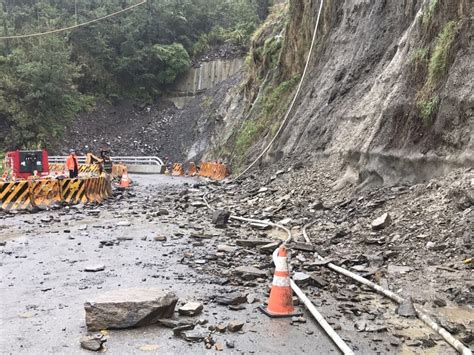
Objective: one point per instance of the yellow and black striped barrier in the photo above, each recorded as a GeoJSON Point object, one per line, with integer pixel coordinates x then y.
{"type": "Point", "coordinates": [88, 169]}
{"type": "Point", "coordinates": [42, 193]}
{"type": "Point", "coordinates": [14, 195]}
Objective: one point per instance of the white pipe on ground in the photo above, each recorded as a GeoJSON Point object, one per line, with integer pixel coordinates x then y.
{"type": "Point", "coordinates": [456, 344]}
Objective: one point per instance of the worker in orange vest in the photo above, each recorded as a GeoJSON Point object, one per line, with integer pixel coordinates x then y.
{"type": "Point", "coordinates": [72, 164]}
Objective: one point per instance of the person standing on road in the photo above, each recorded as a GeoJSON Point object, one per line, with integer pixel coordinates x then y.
{"type": "Point", "coordinates": [106, 161]}
{"type": "Point", "coordinates": [72, 164]}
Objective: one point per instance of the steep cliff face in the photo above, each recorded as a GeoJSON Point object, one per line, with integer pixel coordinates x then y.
{"type": "Point", "coordinates": [387, 89]}
{"type": "Point", "coordinates": [367, 95]}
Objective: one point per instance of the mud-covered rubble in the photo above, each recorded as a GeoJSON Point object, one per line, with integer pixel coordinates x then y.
{"type": "Point", "coordinates": [401, 237]}
{"type": "Point", "coordinates": [233, 258]}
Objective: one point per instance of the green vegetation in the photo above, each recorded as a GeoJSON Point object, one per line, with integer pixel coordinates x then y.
{"type": "Point", "coordinates": [428, 108]}
{"type": "Point", "coordinates": [272, 101]}
{"type": "Point", "coordinates": [439, 60]}
{"type": "Point", "coordinates": [438, 64]}
{"type": "Point", "coordinates": [429, 12]}
{"type": "Point", "coordinates": [420, 56]}
{"type": "Point", "coordinates": [273, 106]}
{"type": "Point", "coordinates": [247, 136]}
{"type": "Point", "coordinates": [47, 80]}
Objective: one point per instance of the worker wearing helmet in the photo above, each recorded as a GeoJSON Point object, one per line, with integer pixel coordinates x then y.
{"type": "Point", "coordinates": [72, 164]}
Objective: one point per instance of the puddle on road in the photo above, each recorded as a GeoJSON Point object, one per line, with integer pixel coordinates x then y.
{"type": "Point", "coordinates": [463, 315]}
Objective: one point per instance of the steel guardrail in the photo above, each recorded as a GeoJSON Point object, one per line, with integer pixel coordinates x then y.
{"type": "Point", "coordinates": [138, 160]}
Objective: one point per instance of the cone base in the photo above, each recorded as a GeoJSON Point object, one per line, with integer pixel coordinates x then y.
{"type": "Point", "coordinates": [279, 315]}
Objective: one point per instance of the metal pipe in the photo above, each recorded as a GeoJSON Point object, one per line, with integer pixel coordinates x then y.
{"type": "Point", "coordinates": [456, 344]}
{"type": "Point", "coordinates": [322, 322]}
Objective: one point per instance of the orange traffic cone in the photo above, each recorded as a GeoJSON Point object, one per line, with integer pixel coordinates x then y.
{"type": "Point", "coordinates": [125, 181]}
{"type": "Point", "coordinates": [280, 303]}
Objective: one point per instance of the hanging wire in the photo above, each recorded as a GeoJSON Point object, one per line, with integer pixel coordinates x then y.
{"type": "Point", "coordinates": [38, 34]}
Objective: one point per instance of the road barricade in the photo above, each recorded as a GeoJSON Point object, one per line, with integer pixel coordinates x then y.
{"type": "Point", "coordinates": [89, 169]}
{"type": "Point", "coordinates": [118, 170]}
{"type": "Point", "coordinates": [86, 170]}
{"type": "Point", "coordinates": [177, 170]}
{"type": "Point", "coordinates": [214, 170]}
{"type": "Point", "coordinates": [43, 193]}
{"type": "Point", "coordinates": [57, 168]}
{"type": "Point", "coordinates": [15, 195]}
{"type": "Point", "coordinates": [73, 191]}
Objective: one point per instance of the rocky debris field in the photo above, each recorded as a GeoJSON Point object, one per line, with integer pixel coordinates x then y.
{"type": "Point", "coordinates": [127, 129]}
{"type": "Point", "coordinates": [150, 129]}
{"type": "Point", "coordinates": [413, 240]}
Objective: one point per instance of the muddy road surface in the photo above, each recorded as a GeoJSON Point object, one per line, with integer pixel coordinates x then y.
{"type": "Point", "coordinates": [44, 283]}
{"type": "Point", "coordinates": [159, 234]}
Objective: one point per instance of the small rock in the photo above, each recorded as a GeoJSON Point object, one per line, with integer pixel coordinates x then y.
{"type": "Point", "coordinates": [252, 242]}
{"type": "Point", "coordinates": [196, 335]}
{"type": "Point", "coordinates": [123, 238]}
{"type": "Point", "coordinates": [163, 212]}
{"type": "Point", "coordinates": [95, 268]}
{"type": "Point", "coordinates": [160, 238]}
{"type": "Point", "coordinates": [230, 344]}
{"type": "Point", "coordinates": [301, 279]}
{"type": "Point", "coordinates": [221, 328]}
{"type": "Point", "coordinates": [406, 308]}
{"type": "Point", "coordinates": [439, 302]}
{"type": "Point", "coordinates": [298, 319]}
{"type": "Point", "coordinates": [381, 222]}
{"type": "Point", "coordinates": [235, 326]}
{"type": "Point", "coordinates": [236, 307]}
{"type": "Point", "coordinates": [181, 328]}
{"type": "Point", "coordinates": [251, 298]}
{"type": "Point", "coordinates": [303, 247]}
{"type": "Point", "coordinates": [198, 204]}
{"type": "Point", "coordinates": [231, 299]}
{"type": "Point", "coordinates": [170, 323]}
{"type": "Point", "coordinates": [250, 272]}
{"type": "Point", "coordinates": [191, 309]}
{"type": "Point", "coordinates": [220, 218]}
{"type": "Point", "coordinates": [227, 248]}
{"type": "Point", "coordinates": [93, 342]}
{"type": "Point", "coordinates": [123, 224]}
{"type": "Point", "coordinates": [318, 281]}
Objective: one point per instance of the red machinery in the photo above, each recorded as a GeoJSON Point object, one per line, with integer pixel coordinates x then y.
{"type": "Point", "coordinates": [24, 163]}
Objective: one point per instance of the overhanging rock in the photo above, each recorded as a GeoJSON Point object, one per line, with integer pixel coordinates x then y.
{"type": "Point", "coordinates": [129, 308]}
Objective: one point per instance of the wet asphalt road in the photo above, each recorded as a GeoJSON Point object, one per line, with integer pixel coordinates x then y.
{"type": "Point", "coordinates": [44, 286]}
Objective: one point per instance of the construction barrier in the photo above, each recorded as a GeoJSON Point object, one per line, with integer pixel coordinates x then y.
{"type": "Point", "coordinates": [177, 170]}
{"type": "Point", "coordinates": [57, 168]}
{"type": "Point", "coordinates": [214, 170]}
{"type": "Point", "coordinates": [14, 195]}
{"type": "Point", "coordinates": [87, 169]}
{"type": "Point", "coordinates": [192, 170]}
{"type": "Point", "coordinates": [73, 191]}
{"type": "Point", "coordinates": [118, 169]}
{"type": "Point", "coordinates": [43, 193]}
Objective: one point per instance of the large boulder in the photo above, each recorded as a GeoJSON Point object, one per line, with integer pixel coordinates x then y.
{"type": "Point", "coordinates": [129, 308]}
